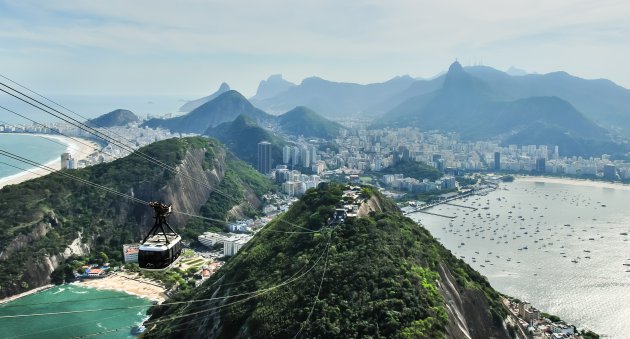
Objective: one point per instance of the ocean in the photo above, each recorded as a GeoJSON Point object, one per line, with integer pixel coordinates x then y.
{"type": "Point", "coordinates": [562, 247]}
{"type": "Point", "coordinates": [92, 106]}
{"type": "Point", "coordinates": [107, 324]}
{"type": "Point", "coordinates": [32, 147]}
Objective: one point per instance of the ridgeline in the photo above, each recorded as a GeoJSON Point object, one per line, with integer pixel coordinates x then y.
{"type": "Point", "coordinates": [377, 275]}
{"type": "Point", "coordinates": [47, 220]}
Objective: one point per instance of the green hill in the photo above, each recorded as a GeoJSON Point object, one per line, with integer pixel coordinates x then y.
{"type": "Point", "coordinates": [224, 108]}
{"type": "Point", "coordinates": [569, 144]}
{"type": "Point", "coordinates": [414, 169]}
{"type": "Point", "coordinates": [304, 121]}
{"type": "Point", "coordinates": [46, 220]}
{"type": "Point", "coordinates": [242, 136]}
{"type": "Point", "coordinates": [119, 117]}
{"type": "Point", "coordinates": [379, 275]}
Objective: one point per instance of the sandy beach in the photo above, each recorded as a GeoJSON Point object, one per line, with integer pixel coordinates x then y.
{"type": "Point", "coordinates": [78, 150]}
{"type": "Point", "coordinates": [128, 283]}
{"type": "Point", "coordinates": [574, 182]}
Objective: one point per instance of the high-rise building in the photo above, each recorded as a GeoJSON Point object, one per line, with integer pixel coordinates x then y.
{"type": "Point", "coordinates": [295, 156]}
{"type": "Point", "coordinates": [306, 157]}
{"type": "Point", "coordinates": [64, 160]}
{"type": "Point", "coordinates": [540, 165]}
{"type": "Point", "coordinates": [610, 172]}
{"type": "Point", "coordinates": [313, 154]}
{"type": "Point", "coordinates": [286, 154]}
{"type": "Point", "coordinates": [497, 161]}
{"type": "Point", "coordinates": [264, 157]}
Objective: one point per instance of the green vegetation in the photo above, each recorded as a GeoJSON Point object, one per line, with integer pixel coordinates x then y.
{"type": "Point", "coordinates": [59, 209]}
{"type": "Point", "coordinates": [242, 136]}
{"type": "Point", "coordinates": [381, 279]}
{"type": "Point", "coordinates": [465, 180]}
{"type": "Point", "coordinates": [589, 335]}
{"type": "Point", "coordinates": [119, 117]}
{"type": "Point", "coordinates": [238, 180]}
{"type": "Point", "coordinates": [224, 108]}
{"type": "Point", "coordinates": [507, 178]}
{"type": "Point", "coordinates": [414, 169]}
{"type": "Point", "coordinates": [304, 121]}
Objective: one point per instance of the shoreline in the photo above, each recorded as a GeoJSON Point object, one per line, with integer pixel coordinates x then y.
{"type": "Point", "coordinates": [78, 151]}
{"type": "Point", "coordinates": [573, 182]}
{"type": "Point", "coordinates": [132, 285]}
{"type": "Point", "coordinates": [24, 294]}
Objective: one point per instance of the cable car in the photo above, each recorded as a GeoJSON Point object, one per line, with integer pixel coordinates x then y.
{"type": "Point", "coordinates": [160, 249]}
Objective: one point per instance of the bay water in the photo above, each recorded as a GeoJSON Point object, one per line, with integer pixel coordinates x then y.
{"type": "Point", "coordinates": [32, 147]}
{"type": "Point", "coordinates": [92, 320]}
{"type": "Point", "coordinates": [561, 246]}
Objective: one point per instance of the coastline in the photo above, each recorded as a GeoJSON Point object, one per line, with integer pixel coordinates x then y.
{"type": "Point", "coordinates": [573, 182]}
{"type": "Point", "coordinates": [78, 151]}
{"type": "Point", "coordinates": [24, 294]}
{"type": "Point", "coordinates": [129, 284]}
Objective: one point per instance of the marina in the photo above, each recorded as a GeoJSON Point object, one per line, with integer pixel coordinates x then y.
{"type": "Point", "coordinates": [552, 244]}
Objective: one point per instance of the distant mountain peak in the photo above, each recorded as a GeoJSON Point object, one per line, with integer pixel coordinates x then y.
{"type": "Point", "coordinates": [224, 87]}
{"type": "Point", "coordinates": [455, 67]}
{"type": "Point", "coordinates": [118, 117]}
{"type": "Point", "coordinates": [192, 105]}
{"type": "Point", "coordinates": [274, 85]}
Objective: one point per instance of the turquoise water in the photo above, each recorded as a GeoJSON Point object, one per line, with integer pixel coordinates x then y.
{"type": "Point", "coordinates": [108, 324]}
{"type": "Point", "coordinates": [34, 148]}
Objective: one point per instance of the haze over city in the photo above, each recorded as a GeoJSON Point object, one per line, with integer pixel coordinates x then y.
{"type": "Point", "coordinates": [327, 169]}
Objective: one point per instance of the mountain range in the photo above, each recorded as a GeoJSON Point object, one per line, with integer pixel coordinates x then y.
{"type": "Point", "coordinates": [224, 108]}
{"type": "Point", "coordinates": [600, 100]}
{"type": "Point", "coordinates": [334, 100]}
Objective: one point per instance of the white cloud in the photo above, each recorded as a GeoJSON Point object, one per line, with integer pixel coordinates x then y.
{"type": "Point", "coordinates": [194, 43]}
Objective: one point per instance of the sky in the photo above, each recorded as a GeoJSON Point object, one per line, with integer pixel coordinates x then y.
{"type": "Point", "coordinates": [188, 47]}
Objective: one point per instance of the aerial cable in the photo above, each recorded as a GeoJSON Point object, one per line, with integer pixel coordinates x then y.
{"type": "Point", "coordinates": [225, 222]}
{"type": "Point", "coordinates": [53, 140]}
{"type": "Point", "coordinates": [321, 282]}
{"type": "Point", "coordinates": [66, 326]}
{"type": "Point", "coordinates": [105, 137]}
{"type": "Point", "coordinates": [112, 140]}
{"type": "Point", "coordinates": [52, 129]}
{"type": "Point", "coordinates": [207, 316]}
{"type": "Point", "coordinates": [254, 293]}
{"type": "Point", "coordinates": [63, 301]}
{"type": "Point", "coordinates": [85, 181]}
{"type": "Point", "coordinates": [109, 139]}
{"type": "Point", "coordinates": [21, 169]}
{"type": "Point", "coordinates": [110, 190]}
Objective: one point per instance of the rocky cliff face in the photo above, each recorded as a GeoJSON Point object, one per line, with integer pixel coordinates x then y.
{"type": "Point", "coordinates": [64, 230]}
{"type": "Point", "coordinates": [376, 275]}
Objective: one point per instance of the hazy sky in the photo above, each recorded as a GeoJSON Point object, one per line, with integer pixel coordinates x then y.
{"type": "Point", "coordinates": [188, 48]}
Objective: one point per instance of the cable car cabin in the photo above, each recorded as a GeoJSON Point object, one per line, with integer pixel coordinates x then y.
{"type": "Point", "coordinates": [159, 249]}
{"type": "Point", "coordinates": [155, 254]}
